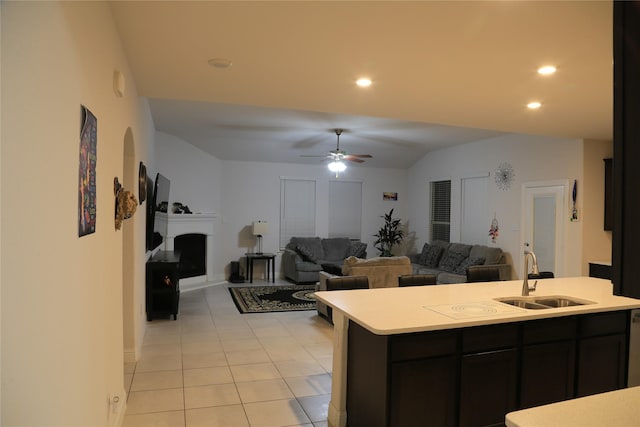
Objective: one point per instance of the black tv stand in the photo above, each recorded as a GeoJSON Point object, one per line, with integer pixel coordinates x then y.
{"type": "Point", "coordinates": [163, 284]}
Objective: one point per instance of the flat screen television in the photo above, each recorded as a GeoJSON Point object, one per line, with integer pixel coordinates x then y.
{"type": "Point", "coordinates": [158, 201]}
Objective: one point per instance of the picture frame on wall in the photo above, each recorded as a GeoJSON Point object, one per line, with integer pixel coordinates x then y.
{"type": "Point", "coordinates": [387, 195]}
{"type": "Point", "coordinates": [87, 172]}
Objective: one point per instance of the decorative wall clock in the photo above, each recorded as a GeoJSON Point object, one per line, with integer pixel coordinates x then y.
{"type": "Point", "coordinates": [504, 176]}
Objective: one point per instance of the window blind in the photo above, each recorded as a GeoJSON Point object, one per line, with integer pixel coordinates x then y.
{"type": "Point", "coordinates": [440, 210]}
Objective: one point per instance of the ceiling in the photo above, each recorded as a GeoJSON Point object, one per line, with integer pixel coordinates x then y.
{"type": "Point", "coordinates": [444, 73]}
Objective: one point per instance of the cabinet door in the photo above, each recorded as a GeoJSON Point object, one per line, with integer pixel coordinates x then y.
{"type": "Point", "coordinates": [601, 364]}
{"type": "Point", "coordinates": [547, 373]}
{"type": "Point", "coordinates": [423, 392]}
{"type": "Point", "coordinates": [488, 387]}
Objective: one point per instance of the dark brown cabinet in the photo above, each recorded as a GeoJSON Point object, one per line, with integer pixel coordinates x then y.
{"type": "Point", "coordinates": [163, 285]}
{"type": "Point", "coordinates": [608, 194]}
{"type": "Point", "coordinates": [407, 379]}
{"type": "Point", "coordinates": [601, 366]}
{"type": "Point", "coordinates": [548, 361]}
{"type": "Point", "coordinates": [422, 390]}
{"type": "Point", "coordinates": [475, 376]}
{"type": "Point", "coordinates": [602, 349]}
{"type": "Point", "coordinates": [601, 271]}
{"type": "Point", "coordinates": [626, 149]}
{"type": "Point", "coordinates": [488, 387]}
{"type": "Point", "coordinates": [488, 374]}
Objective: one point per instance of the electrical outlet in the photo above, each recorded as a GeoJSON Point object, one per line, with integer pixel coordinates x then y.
{"type": "Point", "coordinates": [115, 404]}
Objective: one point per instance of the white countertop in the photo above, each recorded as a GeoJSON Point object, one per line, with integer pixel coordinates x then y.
{"type": "Point", "coordinates": [427, 308]}
{"type": "Point", "coordinates": [615, 408]}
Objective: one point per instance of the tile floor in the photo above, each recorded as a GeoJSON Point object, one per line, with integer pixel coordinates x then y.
{"type": "Point", "coordinates": [216, 367]}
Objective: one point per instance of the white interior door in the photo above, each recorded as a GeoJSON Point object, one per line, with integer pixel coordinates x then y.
{"type": "Point", "coordinates": [544, 207]}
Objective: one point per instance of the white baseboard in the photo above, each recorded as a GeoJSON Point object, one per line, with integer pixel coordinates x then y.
{"type": "Point", "coordinates": [130, 355]}
{"type": "Point", "coordinates": [200, 282]}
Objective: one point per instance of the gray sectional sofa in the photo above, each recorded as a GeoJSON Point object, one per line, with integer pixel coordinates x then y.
{"type": "Point", "coordinates": [305, 257]}
{"type": "Point", "coordinates": [450, 261]}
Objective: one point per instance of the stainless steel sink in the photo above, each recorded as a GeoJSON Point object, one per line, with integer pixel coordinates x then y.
{"type": "Point", "coordinates": [543, 302]}
{"type": "Point", "coordinates": [560, 302]}
{"type": "Point", "coordinates": [523, 304]}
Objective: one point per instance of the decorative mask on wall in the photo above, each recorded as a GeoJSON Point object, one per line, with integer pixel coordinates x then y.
{"type": "Point", "coordinates": [126, 203]}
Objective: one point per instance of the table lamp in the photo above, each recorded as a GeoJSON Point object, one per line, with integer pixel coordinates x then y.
{"type": "Point", "coordinates": [260, 228]}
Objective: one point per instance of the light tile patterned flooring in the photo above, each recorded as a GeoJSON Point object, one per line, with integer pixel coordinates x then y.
{"type": "Point", "coordinates": [216, 367]}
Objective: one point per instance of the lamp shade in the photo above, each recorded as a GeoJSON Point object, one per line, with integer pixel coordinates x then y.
{"type": "Point", "coordinates": [260, 228]}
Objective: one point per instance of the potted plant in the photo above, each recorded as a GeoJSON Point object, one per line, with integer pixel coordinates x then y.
{"type": "Point", "coordinates": [389, 235]}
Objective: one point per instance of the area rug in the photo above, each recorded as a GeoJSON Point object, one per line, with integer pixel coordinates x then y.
{"type": "Point", "coordinates": [265, 299]}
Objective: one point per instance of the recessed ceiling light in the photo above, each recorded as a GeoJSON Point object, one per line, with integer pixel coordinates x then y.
{"type": "Point", "coordinates": [547, 70]}
{"type": "Point", "coordinates": [220, 63]}
{"type": "Point", "coordinates": [363, 82]}
{"type": "Point", "coordinates": [534, 105]}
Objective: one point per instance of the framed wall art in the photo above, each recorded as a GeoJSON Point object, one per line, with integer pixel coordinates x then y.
{"type": "Point", "coordinates": [87, 173]}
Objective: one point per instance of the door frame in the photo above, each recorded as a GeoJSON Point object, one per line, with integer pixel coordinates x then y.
{"type": "Point", "coordinates": [561, 212]}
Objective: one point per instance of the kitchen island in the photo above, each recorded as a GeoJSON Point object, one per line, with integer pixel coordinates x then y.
{"type": "Point", "coordinates": [615, 408]}
{"type": "Point", "coordinates": [453, 355]}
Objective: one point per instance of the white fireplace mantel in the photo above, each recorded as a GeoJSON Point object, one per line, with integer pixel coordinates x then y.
{"type": "Point", "coordinates": [173, 225]}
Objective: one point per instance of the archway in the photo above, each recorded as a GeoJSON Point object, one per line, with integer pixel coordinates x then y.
{"type": "Point", "coordinates": [129, 181]}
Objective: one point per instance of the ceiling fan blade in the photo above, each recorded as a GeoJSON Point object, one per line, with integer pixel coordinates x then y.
{"type": "Point", "coordinates": [313, 155]}
{"type": "Point", "coordinates": [353, 159]}
{"type": "Point", "coordinates": [365, 156]}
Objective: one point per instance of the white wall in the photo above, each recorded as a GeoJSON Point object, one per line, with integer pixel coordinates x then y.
{"type": "Point", "coordinates": [62, 318]}
{"type": "Point", "coordinates": [533, 158]}
{"type": "Point", "coordinates": [252, 192]}
{"type": "Point", "coordinates": [196, 176]}
{"type": "Point", "coordinates": [242, 192]}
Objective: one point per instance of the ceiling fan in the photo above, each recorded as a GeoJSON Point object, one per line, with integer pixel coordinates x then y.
{"type": "Point", "coordinates": [337, 156]}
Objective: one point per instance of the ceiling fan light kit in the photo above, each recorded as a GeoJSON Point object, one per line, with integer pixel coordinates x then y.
{"type": "Point", "coordinates": [338, 157]}
{"type": "Point", "coordinates": [337, 166]}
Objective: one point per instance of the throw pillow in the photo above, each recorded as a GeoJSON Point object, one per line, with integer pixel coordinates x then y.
{"type": "Point", "coordinates": [430, 255]}
{"type": "Point", "coordinates": [306, 253]}
{"type": "Point", "coordinates": [462, 268]}
{"type": "Point", "coordinates": [357, 249]}
{"type": "Point", "coordinates": [452, 261]}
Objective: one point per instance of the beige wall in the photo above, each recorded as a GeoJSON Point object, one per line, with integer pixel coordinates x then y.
{"type": "Point", "coordinates": [62, 296]}
{"type": "Point", "coordinates": [596, 241]}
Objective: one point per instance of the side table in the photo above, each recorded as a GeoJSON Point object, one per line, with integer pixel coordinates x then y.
{"type": "Point", "coordinates": [163, 284]}
{"type": "Point", "coordinates": [270, 262]}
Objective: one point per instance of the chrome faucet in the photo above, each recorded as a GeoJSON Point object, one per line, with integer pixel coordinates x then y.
{"type": "Point", "coordinates": [534, 269]}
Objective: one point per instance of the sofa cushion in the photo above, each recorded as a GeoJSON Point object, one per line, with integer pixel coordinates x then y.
{"type": "Point", "coordinates": [453, 256]}
{"type": "Point", "coordinates": [336, 248]}
{"type": "Point", "coordinates": [421, 269]}
{"type": "Point", "coordinates": [306, 253]}
{"type": "Point", "coordinates": [445, 278]}
{"type": "Point", "coordinates": [451, 261]}
{"type": "Point", "coordinates": [313, 244]}
{"type": "Point", "coordinates": [357, 249]}
{"type": "Point", "coordinates": [308, 266]}
{"type": "Point", "coordinates": [491, 255]}
{"type": "Point", "coordinates": [468, 262]}
{"type": "Point", "coordinates": [430, 255]}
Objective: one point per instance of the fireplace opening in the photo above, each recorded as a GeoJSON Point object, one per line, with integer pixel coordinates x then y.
{"type": "Point", "coordinates": [193, 254]}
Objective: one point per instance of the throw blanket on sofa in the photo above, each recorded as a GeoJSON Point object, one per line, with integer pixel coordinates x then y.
{"type": "Point", "coordinates": [383, 272]}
